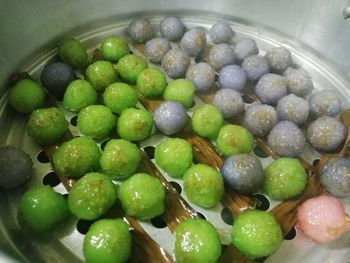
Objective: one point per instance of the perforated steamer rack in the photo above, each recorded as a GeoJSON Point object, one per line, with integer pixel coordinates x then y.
{"type": "Point", "coordinates": [153, 240]}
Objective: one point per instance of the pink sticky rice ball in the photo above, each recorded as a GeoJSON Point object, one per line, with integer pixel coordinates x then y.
{"type": "Point", "coordinates": [322, 218]}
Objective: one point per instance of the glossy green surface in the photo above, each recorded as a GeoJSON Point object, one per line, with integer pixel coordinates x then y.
{"type": "Point", "coordinates": [96, 121]}
{"type": "Point", "coordinates": [92, 196]}
{"type": "Point", "coordinates": [101, 74]}
{"type": "Point", "coordinates": [233, 139]}
{"type": "Point", "coordinates": [26, 96]}
{"type": "Point", "coordinates": [196, 241]}
{"type": "Point", "coordinates": [151, 82]}
{"type": "Point", "coordinates": [130, 66]}
{"type": "Point", "coordinates": [134, 124]}
{"type": "Point", "coordinates": [107, 241]}
{"type": "Point", "coordinates": [207, 121]}
{"type": "Point", "coordinates": [47, 125]}
{"type": "Point", "coordinates": [142, 196]}
{"type": "Point", "coordinates": [72, 52]}
{"type": "Point", "coordinates": [284, 178]}
{"type": "Point", "coordinates": [114, 48]}
{"type": "Point", "coordinates": [119, 96]}
{"type": "Point", "coordinates": [41, 208]}
{"type": "Point", "coordinates": [181, 90]}
{"type": "Point", "coordinates": [78, 95]}
{"type": "Point", "coordinates": [203, 185]}
{"type": "Point", "coordinates": [174, 156]}
{"type": "Point", "coordinates": [256, 233]}
{"type": "Point", "coordinates": [76, 157]}
{"type": "Point", "coordinates": [120, 158]}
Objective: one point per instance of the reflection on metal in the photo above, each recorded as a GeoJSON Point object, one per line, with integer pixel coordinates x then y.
{"type": "Point", "coordinates": [346, 12]}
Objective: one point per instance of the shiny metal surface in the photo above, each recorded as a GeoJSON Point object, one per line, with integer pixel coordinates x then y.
{"type": "Point", "coordinates": [314, 31]}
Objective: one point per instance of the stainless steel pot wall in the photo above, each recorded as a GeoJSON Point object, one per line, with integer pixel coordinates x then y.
{"type": "Point", "coordinates": [28, 28]}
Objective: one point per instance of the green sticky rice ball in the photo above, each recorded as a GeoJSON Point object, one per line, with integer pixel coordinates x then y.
{"type": "Point", "coordinates": [234, 139]}
{"type": "Point", "coordinates": [92, 196]}
{"type": "Point", "coordinates": [142, 196]}
{"type": "Point", "coordinates": [196, 241]}
{"type": "Point", "coordinates": [78, 95]}
{"type": "Point", "coordinates": [256, 233]}
{"type": "Point", "coordinates": [207, 121]}
{"type": "Point", "coordinates": [96, 121]}
{"type": "Point", "coordinates": [108, 241]}
{"type": "Point", "coordinates": [76, 157]}
{"type": "Point", "coordinates": [114, 48]}
{"type": "Point", "coordinates": [151, 82]}
{"type": "Point", "coordinates": [101, 74]}
{"type": "Point", "coordinates": [174, 156]}
{"type": "Point", "coordinates": [181, 90]}
{"type": "Point", "coordinates": [120, 158]}
{"type": "Point", "coordinates": [119, 96]}
{"type": "Point", "coordinates": [130, 66]}
{"type": "Point", "coordinates": [47, 125]}
{"type": "Point", "coordinates": [134, 124]}
{"type": "Point", "coordinates": [26, 96]}
{"type": "Point", "coordinates": [203, 185]}
{"type": "Point", "coordinates": [41, 208]}
{"type": "Point", "coordinates": [284, 178]}
{"type": "Point", "coordinates": [72, 52]}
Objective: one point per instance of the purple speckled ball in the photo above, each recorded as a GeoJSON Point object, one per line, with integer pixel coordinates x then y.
{"type": "Point", "coordinates": [193, 42]}
{"type": "Point", "coordinates": [221, 32]}
{"type": "Point", "coordinates": [326, 133]}
{"type": "Point", "coordinates": [325, 103]}
{"type": "Point", "coordinates": [201, 75]}
{"type": "Point", "coordinates": [259, 119]}
{"type": "Point", "coordinates": [172, 28]}
{"type": "Point", "coordinates": [232, 77]}
{"type": "Point", "coordinates": [221, 55]}
{"type": "Point", "coordinates": [243, 173]}
{"type": "Point", "coordinates": [293, 108]}
{"type": "Point", "coordinates": [140, 30]}
{"type": "Point", "coordinates": [229, 102]}
{"type": "Point", "coordinates": [255, 66]}
{"type": "Point", "coordinates": [279, 59]}
{"type": "Point", "coordinates": [156, 48]}
{"type": "Point", "coordinates": [299, 82]}
{"type": "Point", "coordinates": [270, 88]}
{"type": "Point", "coordinates": [286, 139]}
{"type": "Point", "coordinates": [244, 48]}
{"type": "Point", "coordinates": [170, 117]}
{"type": "Point", "coordinates": [176, 63]}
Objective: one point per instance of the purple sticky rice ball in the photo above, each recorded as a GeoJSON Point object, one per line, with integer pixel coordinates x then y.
{"type": "Point", "coordinates": [270, 88]}
{"type": "Point", "coordinates": [244, 48]}
{"type": "Point", "coordinates": [243, 173]}
{"type": "Point", "coordinates": [232, 77]}
{"type": "Point", "coordinates": [325, 103]}
{"type": "Point", "coordinates": [140, 30]}
{"type": "Point", "coordinates": [176, 63]}
{"type": "Point", "coordinates": [193, 41]}
{"type": "Point", "coordinates": [221, 55]}
{"type": "Point", "coordinates": [279, 59]}
{"type": "Point", "coordinates": [293, 108]}
{"type": "Point", "coordinates": [255, 66]}
{"type": "Point", "coordinates": [259, 119]}
{"type": "Point", "coordinates": [221, 32]}
{"type": "Point", "coordinates": [335, 176]}
{"type": "Point", "coordinates": [299, 82]}
{"type": "Point", "coordinates": [326, 133]}
{"type": "Point", "coordinates": [170, 117]}
{"type": "Point", "coordinates": [201, 75]}
{"type": "Point", "coordinates": [286, 139]}
{"type": "Point", "coordinates": [229, 102]}
{"type": "Point", "coordinates": [172, 28]}
{"type": "Point", "coordinates": [56, 77]}
{"type": "Point", "coordinates": [156, 48]}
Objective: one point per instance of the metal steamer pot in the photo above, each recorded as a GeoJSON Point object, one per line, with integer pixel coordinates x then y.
{"type": "Point", "coordinates": [315, 31]}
